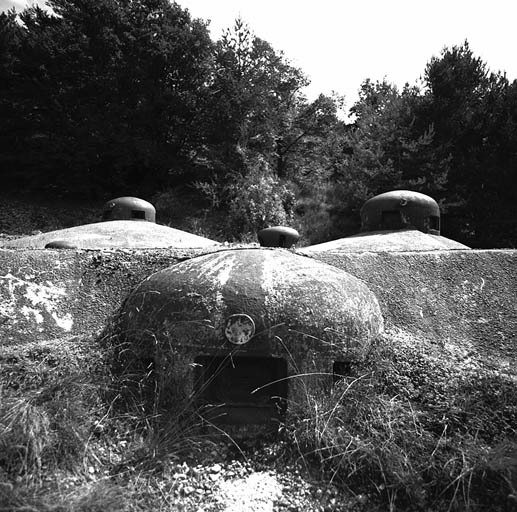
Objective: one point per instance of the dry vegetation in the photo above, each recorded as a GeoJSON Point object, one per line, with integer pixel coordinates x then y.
{"type": "Point", "coordinates": [412, 428]}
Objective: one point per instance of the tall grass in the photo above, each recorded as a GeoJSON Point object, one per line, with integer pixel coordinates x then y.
{"type": "Point", "coordinates": [411, 432]}
{"type": "Point", "coordinates": [412, 427]}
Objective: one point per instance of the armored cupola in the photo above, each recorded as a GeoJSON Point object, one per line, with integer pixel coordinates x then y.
{"type": "Point", "coordinates": [225, 324]}
{"type": "Point", "coordinates": [401, 209]}
{"type": "Point", "coordinates": [278, 236]}
{"type": "Point", "coordinates": [128, 208]}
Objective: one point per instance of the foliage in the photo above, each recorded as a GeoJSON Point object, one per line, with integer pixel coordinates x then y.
{"type": "Point", "coordinates": [259, 200]}
{"type": "Point", "coordinates": [474, 117]}
{"type": "Point", "coordinates": [256, 200]}
{"type": "Point", "coordinates": [103, 94]}
{"type": "Point", "coordinates": [115, 97]}
{"type": "Point", "coordinates": [254, 93]}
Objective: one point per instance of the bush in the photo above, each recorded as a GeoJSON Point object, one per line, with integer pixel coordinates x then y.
{"type": "Point", "coordinates": [258, 200]}
{"type": "Point", "coordinates": [252, 199]}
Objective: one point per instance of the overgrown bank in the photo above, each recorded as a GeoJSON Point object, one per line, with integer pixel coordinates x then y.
{"type": "Point", "coordinates": [414, 427]}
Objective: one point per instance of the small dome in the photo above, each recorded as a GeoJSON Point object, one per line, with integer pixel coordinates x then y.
{"type": "Point", "coordinates": [129, 208]}
{"type": "Point", "coordinates": [278, 236]}
{"type": "Point", "coordinates": [401, 209]}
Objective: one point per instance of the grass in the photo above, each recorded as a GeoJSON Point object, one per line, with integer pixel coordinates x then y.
{"type": "Point", "coordinates": [68, 444]}
{"type": "Point", "coordinates": [410, 428]}
{"type": "Point", "coordinates": [413, 430]}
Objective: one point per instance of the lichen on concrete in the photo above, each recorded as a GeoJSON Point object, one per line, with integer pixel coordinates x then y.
{"type": "Point", "coordinates": [305, 313]}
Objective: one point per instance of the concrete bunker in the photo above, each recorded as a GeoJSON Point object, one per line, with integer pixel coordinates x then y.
{"type": "Point", "coordinates": [243, 333]}
{"type": "Point", "coordinates": [128, 222]}
{"type": "Point", "coordinates": [396, 221]}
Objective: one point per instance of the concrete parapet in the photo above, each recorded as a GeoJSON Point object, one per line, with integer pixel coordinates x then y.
{"type": "Point", "coordinates": [51, 293]}
{"type": "Point", "coordinates": [462, 297]}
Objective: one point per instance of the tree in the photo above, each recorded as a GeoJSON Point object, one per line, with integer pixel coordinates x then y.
{"type": "Point", "coordinates": [254, 91]}
{"type": "Point", "coordinates": [109, 94]}
{"type": "Point", "coordinates": [301, 143]}
{"type": "Point", "coordinates": [11, 100]}
{"type": "Point", "coordinates": [473, 112]}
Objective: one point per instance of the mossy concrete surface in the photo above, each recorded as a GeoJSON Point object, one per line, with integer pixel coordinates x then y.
{"type": "Point", "coordinates": [45, 294]}
{"type": "Point", "coordinates": [115, 234]}
{"type": "Point", "coordinates": [466, 297]}
{"type": "Point", "coordinates": [460, 297]}
{"type": "Point", "coordinates": [276, 288]}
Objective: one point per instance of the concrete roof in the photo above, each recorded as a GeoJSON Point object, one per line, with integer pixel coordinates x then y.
{"type": "Point", "coordinates": [115, 234]}
{"type": "Point", "coordinates": [388, 241]}
{"type": "Point", "coordinates": [285, 294]}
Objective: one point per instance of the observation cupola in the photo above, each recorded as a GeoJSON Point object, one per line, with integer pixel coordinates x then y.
{"type": "Point", "coordinates": [278, 236]}
{"type": "Point", "coordinates": [401, 209]}
{"type": "Point", "coordinates": [128, 208]}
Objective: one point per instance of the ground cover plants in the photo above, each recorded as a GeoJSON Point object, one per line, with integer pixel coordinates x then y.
{"type": "Point", "coordinates": [413, 427]}
{"type": "Point", "coordinates": [418, 427]}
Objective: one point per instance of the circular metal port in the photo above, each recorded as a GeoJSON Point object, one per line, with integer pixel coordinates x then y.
{"type": "Point", "coordinates": [239, 329]}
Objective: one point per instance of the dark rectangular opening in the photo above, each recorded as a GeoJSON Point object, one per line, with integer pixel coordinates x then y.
{"type": "Point", "coordinates": [340, 369]}
{"type": "Point", "coordinates": [392, 220]}
{"type": "Point", "coordinates": [434, 222]}
{"type": "Point", "coordinates": [138, 214]}
{"type": "Point", "coordinates": [241, 390]}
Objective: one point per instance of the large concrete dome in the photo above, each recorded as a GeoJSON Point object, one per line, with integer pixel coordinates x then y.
{"type": "Point", "coordinates": [242, 320]}
{"type": "Point", "coordinates": [111, 235]}
{"type": "Point", "coordinates": [401, 240]}
{"type": "Point", "coordinates": [280, 291]}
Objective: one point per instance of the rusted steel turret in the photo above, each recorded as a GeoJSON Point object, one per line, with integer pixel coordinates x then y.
{"type": "Point", "coordinates": [401, 209]}
{"type": "Point", "coordinates": [278, 236]}
{"type": "Point", "coordinates": [129, 208]}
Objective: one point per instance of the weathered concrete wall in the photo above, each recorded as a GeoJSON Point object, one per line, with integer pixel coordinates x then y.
{"type": "Point", "coordinates": [466, 297]}
{"type": "Point", "coordinates": [52, 293]}
{"type": "Point", "coordinates": [462, 297]}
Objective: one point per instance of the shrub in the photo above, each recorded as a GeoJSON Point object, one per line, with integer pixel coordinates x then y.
{"type": "Point", "coordinates": [259, 200]}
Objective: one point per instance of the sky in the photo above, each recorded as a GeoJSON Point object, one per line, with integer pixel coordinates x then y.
{"type": "Point", "coordinates": [340, 43]}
